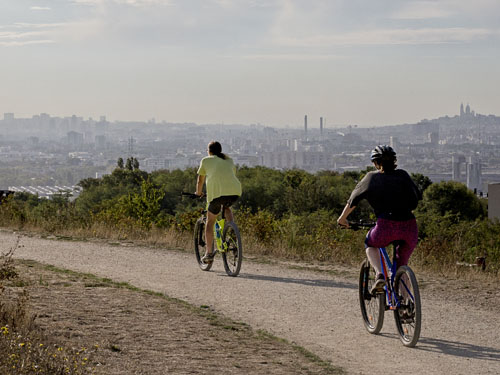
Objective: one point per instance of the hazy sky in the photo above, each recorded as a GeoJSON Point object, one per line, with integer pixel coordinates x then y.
{"type": "Point", "coordinates": [365, 62]}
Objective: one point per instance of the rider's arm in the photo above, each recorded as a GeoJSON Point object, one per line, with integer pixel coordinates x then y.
{"type": "Point", "coordinates": [199, 185]}
{"type": "Point", "coordinates": [342, 220]}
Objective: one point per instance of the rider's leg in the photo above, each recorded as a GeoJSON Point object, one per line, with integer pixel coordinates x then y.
{"type": "Point", "coordinates": [409, 236]}
{"type": "Point", "coordinates": [228, 214]}
{"type": "Point", "coordinates": [209, 231]}
{"type": "Point", "coordinates": [373, 255]}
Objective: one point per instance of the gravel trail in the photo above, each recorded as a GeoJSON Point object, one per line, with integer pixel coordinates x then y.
{"type": "Point", "coordinates": [318, 311]}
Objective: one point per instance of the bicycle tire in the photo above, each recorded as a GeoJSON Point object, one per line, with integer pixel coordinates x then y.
{"type": "Point", "coordinates": [233, 255]}
{"type": "Point", "coordinates": [372, 306]}
{"type": "Point", "coordinates": [408, 315]}
{"type": "Point", "coordinates": [200, 245]}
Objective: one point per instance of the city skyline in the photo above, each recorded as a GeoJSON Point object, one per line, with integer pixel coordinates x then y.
{"type": "Point", "coordinates": [242, 62]}
{"type": "Point", "coordinates": [313, 124]}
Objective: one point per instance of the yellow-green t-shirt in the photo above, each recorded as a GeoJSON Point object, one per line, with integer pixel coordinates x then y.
{"type": "Point", "coordinates": [221, 177]}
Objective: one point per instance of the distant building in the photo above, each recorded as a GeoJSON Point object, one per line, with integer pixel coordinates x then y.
{"type": "Point", "coordinates": [305, 127]}
{"type": "Point", "coordinates": [307, 160]}
{"type": "Point", "coordinates": [494, 201]}
{"type": "Point", "coordinates": [473, 171]}
{"type": "Point", "coordinates": [474, 174]}
{"type": "Point", "coordinates": [75, 139]}
{"type": "Point", "coordinates": [420, 132]}
{"type": "Point", "coordinates": [433, 138]}
{"type": "Point", "coordinates": [8, 116]}
{"type": "Point", "coordinates": [468, 114]}
{"type": "Point", "coordinates": [152, 164]}
{"type": "Point", "coordinates": [100, 142]}
{"type": "Point", "coordinates": [173, 162]}
{"type": "Point", "coordinates": [48, 192]}
{"type": "Point", "coordinates": [247, 160]}
{"type": "Point", "coordinates": [394, 142]}
{"type": "Point", "coordinates": [456, 162]}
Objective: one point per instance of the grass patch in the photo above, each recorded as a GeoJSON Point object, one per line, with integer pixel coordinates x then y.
{"type": "Point", "coordinates": [24, 349]}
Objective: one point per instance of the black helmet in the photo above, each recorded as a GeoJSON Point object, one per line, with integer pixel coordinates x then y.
{"type": "Point", "coordinates": [383, 152]}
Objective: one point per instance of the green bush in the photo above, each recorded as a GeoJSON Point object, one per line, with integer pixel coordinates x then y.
{"type": "Point", "coordinates": [454, 198]}
{"type": "Point", "coordinates": [288, 213]}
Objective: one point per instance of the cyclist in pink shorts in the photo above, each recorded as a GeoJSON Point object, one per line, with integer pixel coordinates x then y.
{"type": "Point", "coordinates": [393, 195]}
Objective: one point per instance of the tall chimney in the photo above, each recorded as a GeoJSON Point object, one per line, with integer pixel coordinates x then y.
{"type": "Point", "coordinates": [321, 125]}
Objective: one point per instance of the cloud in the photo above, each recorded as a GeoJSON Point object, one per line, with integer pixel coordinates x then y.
{"type": "Point", "coordinates": [257, 25]}
{"type": "Point", "coordinates": [25, 43]}
{"type": "Point", "coordinates": [293, 57]}
{"type": "Point", "coordinates": [24, 34]}
{"type": "Point", "coordinates": [136, 3]}
{"type": "Point", "coordinates": [11, 35]}
{"type": "Point", "coordinates": [456, 10]}
{"type": "Point", "coordinates": [391, 37]}
{"type": "Point", "coordinates": [40, 8]}
{"type": "Point", "coordinates": [423, 10]}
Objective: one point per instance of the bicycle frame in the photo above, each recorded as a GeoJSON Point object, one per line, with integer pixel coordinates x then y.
{"type": "Point", "coordinates": [389, 269]}
{"type": "Point", "coordinates": [218, 230]}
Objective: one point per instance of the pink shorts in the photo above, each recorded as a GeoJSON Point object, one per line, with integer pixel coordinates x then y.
{"type": "Point", "coordinates": [388, 231]}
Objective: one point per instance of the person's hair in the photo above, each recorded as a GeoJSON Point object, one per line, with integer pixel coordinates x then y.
{"type": "Point", "coordinates": [385, 156]}
{"type": "Point", "coordinates": [215, 148]}
{"type": "Point", "coordinates": [387, 162]}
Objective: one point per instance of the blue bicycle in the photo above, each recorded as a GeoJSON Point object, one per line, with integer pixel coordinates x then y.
{"type": "Point", "coordinates": [400, 294]}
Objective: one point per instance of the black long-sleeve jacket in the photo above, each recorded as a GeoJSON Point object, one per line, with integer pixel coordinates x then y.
{"type": "Point", "coordinates": [392, 195]}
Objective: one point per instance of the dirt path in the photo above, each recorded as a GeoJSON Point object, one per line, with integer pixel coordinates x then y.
{"type": "Point", "coordinates": [318, 311]}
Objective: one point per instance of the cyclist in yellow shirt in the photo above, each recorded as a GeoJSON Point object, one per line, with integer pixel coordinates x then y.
{"type": "Point", "coordinates": [223, 189]}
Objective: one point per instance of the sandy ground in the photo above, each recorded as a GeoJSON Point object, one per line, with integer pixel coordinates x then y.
{"type": "Point", "coordinates": [317, 310]}
{"type": "Point", "coordinates": [119, 330]}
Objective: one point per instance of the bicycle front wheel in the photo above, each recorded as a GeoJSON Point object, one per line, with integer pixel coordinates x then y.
{"type": "Point", "coordinates": [372, 305]}
{"type": "Point", "coordinates": [200, 245]}
{"type": "Point", "coordinates": [408, 314]}
{"type": "Point", "coordinates": [233, 255]}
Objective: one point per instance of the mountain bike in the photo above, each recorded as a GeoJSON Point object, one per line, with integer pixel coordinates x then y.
{"type": "Point", "coordinates": [400, 294]}
{"type": "Point", "coordinates": [227, 241]}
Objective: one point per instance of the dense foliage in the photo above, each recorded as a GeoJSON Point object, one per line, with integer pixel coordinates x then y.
{"type": "Point", "coordinates": [288, 213]}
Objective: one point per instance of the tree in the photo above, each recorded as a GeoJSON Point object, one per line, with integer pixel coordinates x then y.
{"type": "Point", "coordinates": [120, 163]}
{"type": "Point", "coordinates": [145, 206]}
{"type": "Point", "coordinates": [89, 182]}
{"type": "Point", "coordinates": [135, 163]}
{"type": "Point", "coordinates": [451, 197]}
{"type": "Point", "coordinates": [422, 182]}
{"type": "Point", "coordinates": [128, 165]}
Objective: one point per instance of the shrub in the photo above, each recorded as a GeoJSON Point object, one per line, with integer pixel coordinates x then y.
{"type": "Point", "coordinates": [454, 198]}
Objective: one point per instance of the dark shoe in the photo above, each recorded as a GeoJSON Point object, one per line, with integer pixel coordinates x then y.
{"type": "Point", "coordinates": [378, 286]}
{"type": "Point", "coordinates": [208, 258]}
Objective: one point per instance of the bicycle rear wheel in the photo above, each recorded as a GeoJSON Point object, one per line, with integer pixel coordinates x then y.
{"type": "Point", "coordinates": [233, 255]}
{"type": "Point", "coordinates": [408, 314]}
{"type": "Point", "coordinates": [200, 245]}
{"type": "Point", "coordinates": [372, 306]}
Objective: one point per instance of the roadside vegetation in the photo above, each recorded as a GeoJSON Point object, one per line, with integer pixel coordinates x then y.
{"type": "Point", "coordinates": [287, 214]}
{"type": "Point", "coordinates": [24, 349]}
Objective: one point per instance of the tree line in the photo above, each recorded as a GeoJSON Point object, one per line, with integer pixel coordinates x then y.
{"type": "Point", "coordinates": [291, 213]}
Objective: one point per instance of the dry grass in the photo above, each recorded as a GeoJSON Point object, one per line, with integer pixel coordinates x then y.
{"type": "Point", "coordinates": [24, 349]}
{"type": "Point", "coordinates": [347, 250]}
